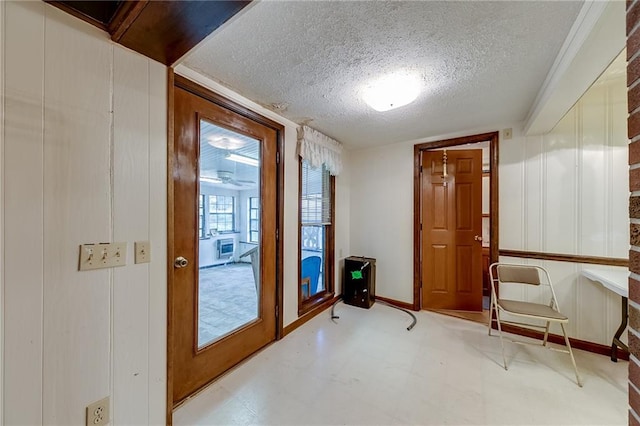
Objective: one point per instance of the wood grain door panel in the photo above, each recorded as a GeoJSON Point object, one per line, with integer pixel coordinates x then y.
{"type": "Point", "coordinates": [194, 366]}
{"type": "Point", "coordinates": [451, 222]}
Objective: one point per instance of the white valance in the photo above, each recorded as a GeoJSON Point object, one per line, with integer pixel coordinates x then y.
{"type": "Point", "coordinates": [318, 149]}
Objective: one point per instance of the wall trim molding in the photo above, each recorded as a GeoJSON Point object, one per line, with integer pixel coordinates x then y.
{"type": "Point", "coordinates": [573, 258]}
{"type": "Point", "coordinates": [220, 89]}
{"type": "Point", "coordinates": [309, 315]}
{"type": "Point", "coordinates": [170, 245]}
{"type": "Point", "coordinates": [559, 340]}
{"type": "Point", "coordinates": [585, 54]}
{"type": "Point", "coordinates": [2, 130]}
{"type": "Point", "coordinates": [396, 303]}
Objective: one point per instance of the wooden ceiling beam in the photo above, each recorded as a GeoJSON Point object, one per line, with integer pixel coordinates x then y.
{"type": "Point", "coordinates": [161, 30]}
{"type": "Point", "coordinates": [167, 30]}
{"type": "Point", "coordinates": [124, 17]}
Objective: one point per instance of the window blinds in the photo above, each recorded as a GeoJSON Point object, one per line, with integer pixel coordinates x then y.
{"type": "Point", "coordinates": [315, 201]}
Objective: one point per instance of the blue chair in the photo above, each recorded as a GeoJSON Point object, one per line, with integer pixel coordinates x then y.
{"type": "Point", "coordinates": [311, 269]}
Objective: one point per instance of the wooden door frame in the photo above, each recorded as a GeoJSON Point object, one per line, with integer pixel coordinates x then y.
{"type": "Point", "coordinates": [493, 139]}
{"type": "Point", "coordinates": [176, 81]}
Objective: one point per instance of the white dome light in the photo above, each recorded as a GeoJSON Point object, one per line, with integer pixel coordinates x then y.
{"type": "Point", "coordinates": [226, 143]}
{"type": "Point", "coordinates": [392, 91]}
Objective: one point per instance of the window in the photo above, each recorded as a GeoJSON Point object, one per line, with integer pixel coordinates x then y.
{"type": "Point", "coordinates": [201, 216]}
{"type": "Point", "coordinates": [221, 214]}
{"type": "Point", "coordinates": [254, 220]}
{"type": "Point", "coordinates": [316, 236]}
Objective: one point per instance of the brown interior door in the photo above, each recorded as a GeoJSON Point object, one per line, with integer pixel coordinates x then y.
{"type": "Point", "coordinates": [223, 295]}
{"type": "Point", "coordinates": [452, 230]}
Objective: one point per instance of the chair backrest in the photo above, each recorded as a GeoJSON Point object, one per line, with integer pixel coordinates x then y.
{"type": "Point", "coordinates": [504, 273]}
{"type": "Point", "coordinates": [518, 274]}
{"type": "Point", "coordinates": [311, 269]}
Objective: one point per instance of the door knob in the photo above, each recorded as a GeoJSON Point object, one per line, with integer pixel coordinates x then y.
{"type": "Point", "coordinates": [477, 238]}
{"type": "Point", "coordinates": [180, 262]}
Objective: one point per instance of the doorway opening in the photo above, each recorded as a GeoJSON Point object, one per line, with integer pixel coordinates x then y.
{"type": "Point", "coordinates": [462, 287]}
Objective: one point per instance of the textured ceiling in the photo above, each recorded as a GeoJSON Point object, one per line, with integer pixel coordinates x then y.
{"type": "Point", "coordinates": [482, 63]}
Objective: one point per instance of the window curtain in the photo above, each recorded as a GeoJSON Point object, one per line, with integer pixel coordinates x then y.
{"type": "Point", "coordinates": [318, 149]}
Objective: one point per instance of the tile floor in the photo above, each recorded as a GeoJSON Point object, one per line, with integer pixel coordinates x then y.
{"type": "Point", "coordinates": [369, 370]}
{"type": "Point", "coordinates": [227, 300]}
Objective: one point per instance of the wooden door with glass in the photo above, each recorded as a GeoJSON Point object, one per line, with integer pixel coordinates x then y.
{"type": "Point", "coordinates": [223, 296]}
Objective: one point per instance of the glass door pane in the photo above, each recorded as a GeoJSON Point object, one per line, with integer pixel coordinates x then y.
{"type": "Point", "coordinates": [229, 234]}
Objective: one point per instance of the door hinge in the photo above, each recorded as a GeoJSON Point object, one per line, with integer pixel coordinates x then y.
{"type": "Point", "coordinates": [277, 234]}
{"type": "Point", "coordinates": [420, 169]}
{"type": "Point", "coordinates": [277, 312]}
{"type": "Point", "coordinates": [420, 227]}
{"type": "Point", "coordinates": [278, 157]}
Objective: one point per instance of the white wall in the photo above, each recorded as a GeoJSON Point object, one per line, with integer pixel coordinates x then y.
{"type": "Point", "coordinates": [84, 160]}
{"type": "Point", "coordinates": [381, 215]}
{"type": "Point", "coordinates": [561, 193]}
{"type": "Point", "coordinates": [291, 164]}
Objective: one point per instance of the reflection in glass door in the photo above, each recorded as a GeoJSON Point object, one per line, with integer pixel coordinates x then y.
{"type": "Point", "coordinates": [228, 235]}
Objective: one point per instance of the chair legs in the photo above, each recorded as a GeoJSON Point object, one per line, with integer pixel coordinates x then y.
{"type": "Point", "coordinates": [544, 343]}
{"type": "Point", "coordinates": [573, 361]}
{"type": "Point", "coordinates": [494, 309]}
{"type": "Point", "coordinates": [546, 334]}
{"type": "Point", "coordinates": [504, 358]}
{"type": "Point", "coordinates": [490, 315]}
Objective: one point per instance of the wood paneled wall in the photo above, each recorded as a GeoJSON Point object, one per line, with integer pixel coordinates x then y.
{"type": "Point", "coordinates": [633, 82]}
{"type": "Point", "coordinates": [2, 304]}
{"type": "Point", "coordinates": [84, 160]}
{"type": "Point", "coordinates": [565, 192]}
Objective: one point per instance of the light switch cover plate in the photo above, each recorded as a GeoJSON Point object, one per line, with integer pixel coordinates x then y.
{"type": "Point", "coordinates": [143, 252]}
{"type": "Point", "coordinates": [102, 255]}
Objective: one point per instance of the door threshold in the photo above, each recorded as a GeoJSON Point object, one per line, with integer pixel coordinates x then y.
{"type": "Point", "coordinates": [475, 316]}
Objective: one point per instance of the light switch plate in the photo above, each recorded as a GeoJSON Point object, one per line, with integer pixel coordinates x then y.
{"type": "Point", "coordinates": [507, 133]}
{"type": "Point", "coordinates": [102, 255]}
{"type": "Point", "coordinates": [143, 252]}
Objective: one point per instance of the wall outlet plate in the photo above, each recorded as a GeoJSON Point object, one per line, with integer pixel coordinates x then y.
{"type": "Point", "coordinates": [98, 412]}
{"type": "Point", "coordinates": [507, 133]}
{"type": "Point", "coordinates": [102, 255]}
{"type": "Point", "coordinates": [143, 252]}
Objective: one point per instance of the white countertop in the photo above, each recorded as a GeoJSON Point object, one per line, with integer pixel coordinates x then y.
{"type": "Point", "coordinates": [616, 280]}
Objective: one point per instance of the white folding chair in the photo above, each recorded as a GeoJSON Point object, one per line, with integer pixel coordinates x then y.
{"type": "Point", "coordinates": [509, 274]}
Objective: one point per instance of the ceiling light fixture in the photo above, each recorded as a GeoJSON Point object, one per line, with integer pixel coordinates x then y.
{"type": "Point", "coordinates": [226, 143]}
{"type": "Point", "coordinates": [392, 91]}
{"type": "Point", "coordinates": [243, 159]}
{"type": "Point", "coordinates": [210, 180]}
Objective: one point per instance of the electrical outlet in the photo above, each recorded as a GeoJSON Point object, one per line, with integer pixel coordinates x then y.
{"type": "Point", "coordinates": [507, 133]}
{"type": "Point", "coordinates": [98, 413]}
{"type": "Point", "coordinates": [143, 252]}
